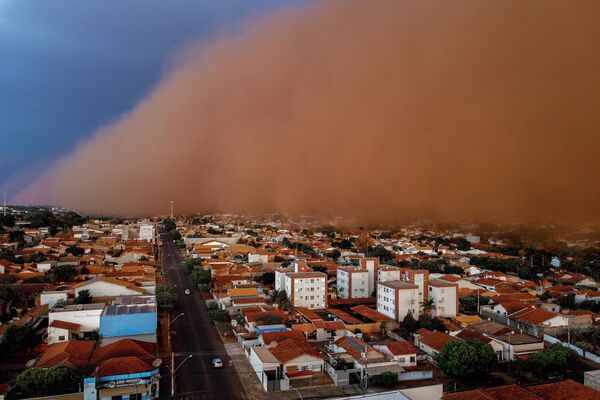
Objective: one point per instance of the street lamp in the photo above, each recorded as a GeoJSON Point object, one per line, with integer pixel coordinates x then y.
{"type": "Point", "coordinates": [173, 320]}
{"type": "Point", "coordinates": [174, 370]}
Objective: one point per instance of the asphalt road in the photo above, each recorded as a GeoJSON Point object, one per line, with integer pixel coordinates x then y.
{"type": "Point", "coordinates": [194, 334]}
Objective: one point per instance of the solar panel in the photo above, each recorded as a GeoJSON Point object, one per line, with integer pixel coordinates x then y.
{"type": "Point", "coordinates": [121, 310]}
{"type": "Point", "coordinates": [111, 310]}
{"type": "Point", "coordinates": [356, 345]}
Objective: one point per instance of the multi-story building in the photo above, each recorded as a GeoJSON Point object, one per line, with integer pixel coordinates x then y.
{"type": "Point", "coordinates": [396, 299]}
{"type": "Point", "coordinates": [352, 283]}
{"type": "Point", "coordinates": [444, 298]}
{"type": "Point", "coordinates": [419, 277]}
{"type": "Point", "coordinates": [147, 232]}
{"type": "Point", "coordinates": [387, 273]}
{"type": "Point", "coordinates": [371, 264]}
{"type": "Point", "coordinates": [304, 289]}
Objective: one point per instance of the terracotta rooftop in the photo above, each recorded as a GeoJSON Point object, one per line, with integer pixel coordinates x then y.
{"type": "Point", "coordinates": [72, 353]}
{"type": "Point", "coordinates": [123, 366]}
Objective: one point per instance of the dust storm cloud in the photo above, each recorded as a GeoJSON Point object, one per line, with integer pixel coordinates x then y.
{"type": "Point", "coordinates": [372, 109]}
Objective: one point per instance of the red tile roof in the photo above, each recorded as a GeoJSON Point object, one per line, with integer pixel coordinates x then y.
{"type": "Point", "coordinates": [123, 366]}
{"type": "Point", "coordinates": [72, 353]}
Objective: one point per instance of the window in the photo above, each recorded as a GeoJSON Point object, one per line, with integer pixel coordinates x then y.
{"type": "Point", "coordinates": [61, 338]}
{"type": "Point", "coordinates": [117, 398]}
{"type": "Point", "coordinates": [135, 396]}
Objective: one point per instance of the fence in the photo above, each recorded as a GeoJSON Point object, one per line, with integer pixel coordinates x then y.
{"type": "Point", "coordinates": [583, 353]}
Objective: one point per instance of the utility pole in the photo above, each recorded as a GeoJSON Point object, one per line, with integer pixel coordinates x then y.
{"type": "Point", "coordinates": [171, 209]}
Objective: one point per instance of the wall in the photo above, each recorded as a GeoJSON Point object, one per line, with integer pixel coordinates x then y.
{"type": "Point", "coordinates": [88, 319]}
{"type": "Point", "coordinates": [586, 354]}
{"type": "Point", "coordinates": [105, 289]}
{"type": "Point", "coordinates": [51, 298]}
{"type": "Point", "coordinates": [128, 324]}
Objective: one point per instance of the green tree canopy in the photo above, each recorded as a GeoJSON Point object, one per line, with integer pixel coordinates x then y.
{"type": "Point", "coordinates": [37, 382]}
{"type": "Point", "coordinates": [63, 273]}
{"type": "Point", "coordinates": [19, 339]}
{"type": "Point", "coordinates": [165, 296]}
{"type": "Point", "coordinates": [553, 361]}
{"type": "Point", "coordinates": [83, 297]}
{"type": "Point", "coordinates": [76, 251]}
{"type": "Point", "coordinates": [36, 257]}
{"type": "Point", "coordinates": [268, 319]}
{"type": "Point", "coordinates": [466, 359]}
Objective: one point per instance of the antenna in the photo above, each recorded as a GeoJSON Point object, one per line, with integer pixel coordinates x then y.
{"type": "Point", "coordinates": [4, 208]}
{"type": "Point", "coordinates": [171, 209]}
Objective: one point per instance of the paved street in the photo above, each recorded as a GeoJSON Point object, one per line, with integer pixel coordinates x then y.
{"type": "Point", "coordinates": [193, 333]}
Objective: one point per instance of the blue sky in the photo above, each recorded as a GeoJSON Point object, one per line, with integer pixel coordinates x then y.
{"type": "Point", "coordinates": [70, 66]}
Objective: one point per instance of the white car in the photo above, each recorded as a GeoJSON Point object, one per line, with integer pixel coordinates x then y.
{"type": "Point", "coordinates": [217, 363]}
{"type": "Point", "coordinates": [187, 291]}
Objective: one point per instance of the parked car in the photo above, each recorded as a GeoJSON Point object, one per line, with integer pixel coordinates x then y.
{"type": "Point", "coordinates": [217, 363]}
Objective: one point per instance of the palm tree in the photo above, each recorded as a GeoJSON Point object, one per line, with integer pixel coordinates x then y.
{"type": "Point", "coordinates": [427, 306]}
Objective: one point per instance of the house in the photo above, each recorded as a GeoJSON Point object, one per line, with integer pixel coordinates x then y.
{"type": "Point", "coordinates": [403, 352]}
{"type": "Point", "coordinates": [431, 342]}
{"type": "Point", "coordinates": [74, 354]}
{"type": "Point", "coordinates": [444, 298]}
{"type": "Point", "coordinates": [396, 299]}
{"type": "Point", "coordinates": [352, 283]}
{"type": "Point", "coordinates": [518, 345]}
{"type": "Point", "coordinates": [108, 287]}
{"type": "Point", "coordinates": [419, 277]}
{"type": "Point", "coordinates": [85, 316]}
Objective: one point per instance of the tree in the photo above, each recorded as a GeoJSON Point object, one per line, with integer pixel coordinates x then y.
{"type": "Point", "coordinates": [36, 257]}
{"type": "Point", "coordinates": [41, 218]}
{"type": "Point", "coordinates": [76, 251]}
{"type": "Point", "coordinates": [268, 319]}
{"type": "Point", "coordinates": [169, 224]}
{"type": "Point", "coordinates": [201, 276]}
{"type": "Point", "coordinates": [63, 273]}
{"type": "Point", "coordinates": [466, 359]}
{"type": "Point", "coordinates": [334, 254]}
{"type": "Point", "coordinates": [409, 323]}
{"type": "Point", "coordinates": [217, 314]}
{"type": "Point", "coordinates": [7, 220]}
{"type": "Point", "coordinates": [428, 305]}
{"type": "Point", "coordinates": [6, 254]}
{"type": "Point", "coordinates": [268, 278]}
{"type": "Point", "coordinates": [19, 338]}
{"type": "Point", "coordinates": [10, 297]}
{"type": "Point", "coordinates": [553, 361]}
{"type": "Point", "coordinates": [83, 297]}
{"type": "Point", "coordinates": [165, 296]}
{"type": "Point", "coordinates": [388, 378]}
{"type": "Point", "coordinates": [175, 235]}
{"type": "Point", "coordinates": [37, 382]}
{"type": "Point", "coordinates": [61, 303]}
{"type": "Point", "coordinates": [192, 263]}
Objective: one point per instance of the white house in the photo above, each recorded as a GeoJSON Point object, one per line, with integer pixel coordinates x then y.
{"type": "Point", "coordinates": [395, 299]}
{"type": "Point", "coordinates": [108, 287]}
{"type": "Point", "coordinates": [84, 318]}
{"type": "Point", "coordinates": [352, 283]}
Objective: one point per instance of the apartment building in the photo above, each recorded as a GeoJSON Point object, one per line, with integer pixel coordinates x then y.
{"type": "Point", "coordinates": [395, 299]}
{"type": "Point", "coordinates": [352, 283]}
{"type": "Point", "coordinates": [304, 289]}
{"type": "Point", "coordinates": [419, 277]}
{"type": "Point", "coordinates": [371, 264]}
{"type": "Point", "coordinates": [444, 298]}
